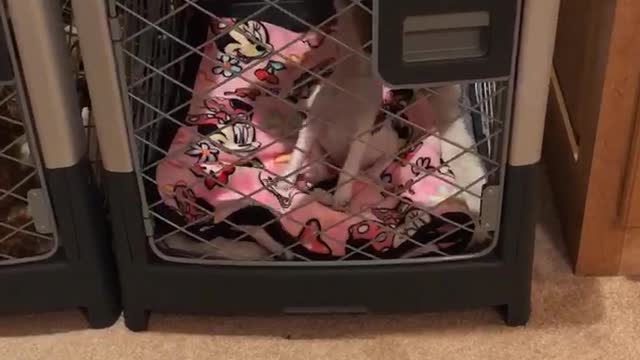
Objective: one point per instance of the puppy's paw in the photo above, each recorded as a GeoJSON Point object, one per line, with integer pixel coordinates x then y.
{"type": "Point", "coordinates": [317, 173]}
{"type": "Point", "coordinates": [343, 196]}
{"type": "Point", "coordinates": [473, 203]}
{"type": "Point", "coordinates": [322, 196]}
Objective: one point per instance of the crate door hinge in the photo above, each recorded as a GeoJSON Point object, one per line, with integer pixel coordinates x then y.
{"type": "Point", "coordinates": [115, 28]}
{"type": "Point", "coordinates": [490, 208]}
{"type": "Point", "coordinates": [40, 212]}
{"type": "Point", "coordinates": [148, 227]}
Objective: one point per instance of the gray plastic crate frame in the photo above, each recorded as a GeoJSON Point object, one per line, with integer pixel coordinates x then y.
{"type": "Point", "coordinates": [27, 227]}
{"type": "Point", "coordinates": [501, 279]}
{"type": "Point", "coordinates": [153, 52]}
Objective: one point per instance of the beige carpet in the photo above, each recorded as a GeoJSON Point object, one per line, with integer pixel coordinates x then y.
{"type": "Point", "coordinates": [573, 318]}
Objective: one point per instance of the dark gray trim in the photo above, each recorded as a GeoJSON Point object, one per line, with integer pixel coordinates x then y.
{"type": "Point", "coordinates": [82, 274]}
{"type": "Point", "coordinates": [498, 39]}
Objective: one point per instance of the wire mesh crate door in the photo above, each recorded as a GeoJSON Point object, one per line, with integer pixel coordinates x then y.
{"type": "Point", "coordinates": [26, 224]}
{"type": "Point", "coordinates": [222, 95]}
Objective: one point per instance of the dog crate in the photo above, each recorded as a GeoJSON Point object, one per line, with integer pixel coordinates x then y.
{"type": "Point", "coordinates": [198, 108]}
{"type": "Point", "coordinates": [54, 240]}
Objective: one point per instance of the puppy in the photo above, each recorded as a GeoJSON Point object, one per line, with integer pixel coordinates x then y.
{"type": "Point", "coordinates": [468, 167]}
{"type": "Point", "coordinates": [342, 125]}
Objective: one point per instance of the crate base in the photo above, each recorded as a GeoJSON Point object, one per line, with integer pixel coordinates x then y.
{"type": "Point", "coordinates": [81, 274]}
{"type": "Point", "coordinates": [501, 279]}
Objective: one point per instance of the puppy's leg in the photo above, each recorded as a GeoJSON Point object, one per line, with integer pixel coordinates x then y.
{"type": "Point", "coordinates": [353, 163]}
{"type": "Point", "coordinates": [387, 145]}
{"type": "Point", "coordinates": [300, 153]}
{"type": "Point", "coordinates": [316, 169]}
{"type": "Point", "coordinates": [350, 169]}
{"type": "Point", "coordinates": [306, 140]}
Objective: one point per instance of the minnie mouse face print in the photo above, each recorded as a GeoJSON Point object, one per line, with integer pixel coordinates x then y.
{"type": "Point", "coordinates": [238, 137]}
{"type": "Point", "coordinates": [227, 126]}
{"type": "Point", "coordinates": [247, 41]}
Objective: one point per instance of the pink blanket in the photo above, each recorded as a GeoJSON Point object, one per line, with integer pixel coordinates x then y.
{"type": "Point", "coordinates": [222, 167]}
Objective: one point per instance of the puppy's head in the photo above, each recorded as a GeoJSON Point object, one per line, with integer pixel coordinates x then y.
{"type": "Point", "coordinates": [354, 24]}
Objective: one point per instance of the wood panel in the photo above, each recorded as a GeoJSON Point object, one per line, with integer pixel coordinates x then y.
{"type": "Point", "coordinates": [593, 113]}
{"type": "Point", "coordinates": [631, 196]}
{"type": "Point", "coordinates": [567, 175]}
{"type": "Point", "coordinates": [604, 234]}
{"type": "Point", "coordinates": [580, 62]}
{"type": "Point", "coordinates": [580, 56]}
{"type": "Point", "coordinates": [630, 264]}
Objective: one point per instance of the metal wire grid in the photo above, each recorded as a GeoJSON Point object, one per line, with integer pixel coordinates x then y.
{"type": "Point", "coordinates": [21, 177]}
{"type": "Point", "coordinates": [482, 92]}
{"type": "Point", "coordinates": [156, 55]}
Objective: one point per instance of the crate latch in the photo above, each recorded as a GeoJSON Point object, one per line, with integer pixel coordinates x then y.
{"type": "Point", "coordinates": [490, 208]}
{"type": "Point", "coordinates": [40, 211]}
{"type": "Point", "coordinates": [148, 227]}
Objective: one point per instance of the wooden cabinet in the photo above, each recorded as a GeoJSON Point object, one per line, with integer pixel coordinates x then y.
{"type": "Point", "coordinates": [592, 137]}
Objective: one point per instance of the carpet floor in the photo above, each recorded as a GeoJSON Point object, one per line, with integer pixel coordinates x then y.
{"type": "Point", "coordinates": [573, 318]}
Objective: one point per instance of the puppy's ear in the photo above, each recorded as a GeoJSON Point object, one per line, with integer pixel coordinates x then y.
{"type": "Point", "coordinates": [358, 19]}
{"type": "Point", "coordinates": [447, 100]}
{"type": "Point", "coordinates": [364, 24]}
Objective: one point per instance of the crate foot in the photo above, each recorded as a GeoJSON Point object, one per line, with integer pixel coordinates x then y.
{"type": "Point", "coordinates": [516, 314]}
{"type": "Point", "coordinates": [100, 317]}
{"type": "Point", "coordinates": [136, 319]}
